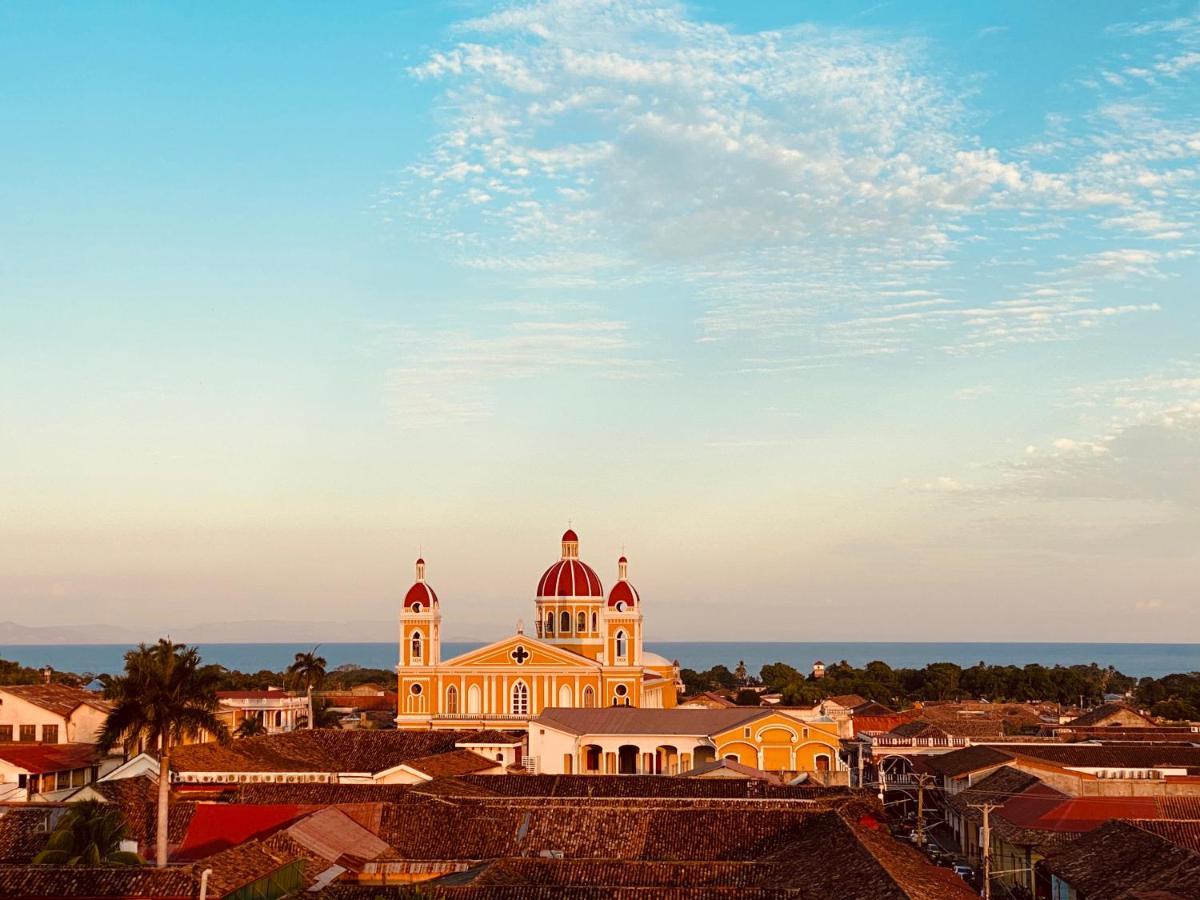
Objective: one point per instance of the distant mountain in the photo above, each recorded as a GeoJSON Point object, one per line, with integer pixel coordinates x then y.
{"type": "Point", "coordinates": [12, 633]}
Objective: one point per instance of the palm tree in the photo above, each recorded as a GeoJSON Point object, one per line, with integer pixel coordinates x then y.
{"type": "Point", "coordinates": [88, 834]}
{"type": "Point", "coordinates": [309, 670]}
{"type": "Point", "coordinates": [164, 697]}
{"type": "Point", "coordinates": [251, 727]}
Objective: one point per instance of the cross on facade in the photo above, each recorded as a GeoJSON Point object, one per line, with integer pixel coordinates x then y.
{"type": "Point", "coordinates": [520, 655]}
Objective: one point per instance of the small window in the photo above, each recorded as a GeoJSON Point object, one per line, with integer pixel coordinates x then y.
{"type": "Point", "coordinates": [581, 624]}
{"type": "Point", "coordinates": [416, 607]}
{"type": "Point", "coordinates": [746, 731]}
{"type": "Point", "coordinates": [550, 623]}
{"type": "Point", "coordinates": [622, 645]}
{"type": "Point", "coordinates": [5, 733]}
{"type": "Point", "coordinates": [49, 734]}
{"type": "Point", "coordinates": [564, 622]}
{"type": "Point", "coordinates": [416, 646]}
{"type": "Point", "coordinates": [452, 701]}
{"type": "Point", "coordinates": [28, 733]}
{"type": "Point", "coordinates": [416, 690]}
{"type": "Point", "coordinates": [622, 690]}
{"type": "Point", "coordinates": [594, 628]}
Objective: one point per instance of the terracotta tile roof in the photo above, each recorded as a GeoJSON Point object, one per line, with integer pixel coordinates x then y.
{"type": "Point", "coordinates": [320, 794]}
{"type": "Point", "coordinates": [1100, 713]}
{"type": "Point", "coordinates": [871, 708]}
{"type": "Point", "coordinates": [258, 695]}
{"type": "Point", "coordinates": [492, 737]}
{"type": "Point", "coordinates": [1120, 861]}
{"type": "Point", "coordinates": [847, 700]}
{"type": "Point", "coordinates": [967, 760]}
{"type": "Point", "coordinates": [626, 786]}
{"type": "Point", "coordinates": [24, 831]}
{"type": "Point", "coordinates": [454, 762]}
{"type": "Point", "coordinates": [245, 864]}
{"type": "Point", "coordinates": [634, 720]}
{"type": "Point", "coordinates": [40, 758]}
{"type": "Point", "coordinates": [54, 882]}
{"type": "Point", "coordinates": [1181, 832]}
{"type": "Point", "coordinates": [874, 723]}
{"type": "Point", "coordinates": [731, 766]}
{"type": "Point", "coordinates": [59, 699]}
{"type": "Point", "coordinates": [997, 787]}
{"type": "Point", "coordinates": [319, 750]}
{"type": "Point", "coordinates": [1116, 756]}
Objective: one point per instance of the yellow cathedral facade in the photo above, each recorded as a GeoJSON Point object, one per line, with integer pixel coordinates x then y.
{"type": "Point", "coordinates": [586, 652]}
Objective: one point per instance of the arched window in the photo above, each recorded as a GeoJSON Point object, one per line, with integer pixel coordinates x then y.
{"type": "Point", "coordinates": [589, 697]}
{"type": "Point", "coordinates": [520, 699]}
{"type": "Point", "coordinates": [594, 622]}
{"type": "Point", "coordinates": [474, 704]}
{"type": "Point", "coordinates": [622, 645]}
{"type": "Point", "coordinates": [416, 646]}
{"type": "Point", "coordinates": [581, 624]}
{"type": "Point", "coordinates": [550, 623]}
{"type": "Point", "coordinates": [452, 701]}
{"type": "Point", "coordinates": [564, 622]}
{"type": "Point", "coordinates": [564, 696]}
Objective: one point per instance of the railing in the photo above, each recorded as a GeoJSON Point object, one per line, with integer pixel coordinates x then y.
{"type": "Point", "coordinates": [491, 717]}
{"type": "Point", "coordinates": [895, 741]}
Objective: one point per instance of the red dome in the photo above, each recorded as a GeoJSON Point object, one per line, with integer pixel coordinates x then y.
{"type": "Point", "coordinates": [570, 578]}
{"type": "Point", "coordinates": [420, 593]}
{"type": "Point", "coordinates": [624, 591]}
{"type": "Point", "coordinates": [570, 535]}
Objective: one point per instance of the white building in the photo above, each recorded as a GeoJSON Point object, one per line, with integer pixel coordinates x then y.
{"type": "Point", "coordinates": [278, 710]}
{"type": "Point", "coordinates": [50, 714]}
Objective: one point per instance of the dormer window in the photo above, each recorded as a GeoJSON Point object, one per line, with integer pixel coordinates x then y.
{"type": "Point", "coordinates": [416, 607]}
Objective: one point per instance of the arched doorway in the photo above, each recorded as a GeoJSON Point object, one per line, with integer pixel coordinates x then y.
{"type": "Point", "coordinates": [627, 759]}
{"type": "Point", "coordinates": [703, 754]}
{"type": "Point", "coordinates": [593, 759]}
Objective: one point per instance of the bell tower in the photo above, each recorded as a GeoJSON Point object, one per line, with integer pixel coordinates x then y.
{"type": "Point", "coordinates": [420, 624]}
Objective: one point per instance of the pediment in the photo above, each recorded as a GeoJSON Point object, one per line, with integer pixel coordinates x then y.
{"type": "Point", "coordinates": [501, 653]}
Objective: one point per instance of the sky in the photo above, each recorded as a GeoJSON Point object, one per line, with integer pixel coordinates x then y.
{"type": "Point", "coordinates": [856, 320]}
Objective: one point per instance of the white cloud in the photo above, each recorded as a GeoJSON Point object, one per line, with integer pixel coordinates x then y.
{"type": "Point", "coordinates": [811, 188]}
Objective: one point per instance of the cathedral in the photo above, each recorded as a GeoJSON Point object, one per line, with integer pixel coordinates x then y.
{"type": "Point", "coordinates": [587, 652]}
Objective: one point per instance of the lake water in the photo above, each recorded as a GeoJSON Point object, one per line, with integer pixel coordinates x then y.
{"type": "Point", "coordinates": [1139, 660]}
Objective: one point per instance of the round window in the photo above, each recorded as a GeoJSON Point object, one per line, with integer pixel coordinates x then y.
{"type": "Point", "coordinates": [620, 606]}
{"type": "Point", "coordinates": [622, 690]}
{"type": "Point", "coordinates": [416, 607]}
{"type": "Point", "coordinates": [415, 689]}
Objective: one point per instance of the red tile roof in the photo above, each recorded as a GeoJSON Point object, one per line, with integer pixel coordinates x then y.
{"type": "Point", "coordinates": [454, 762]}
{"type": "Point", "coordinates": [40, 758]}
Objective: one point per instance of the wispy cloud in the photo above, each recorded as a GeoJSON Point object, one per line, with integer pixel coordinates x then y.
{"type": "Point", "coordinates": [817, 190]}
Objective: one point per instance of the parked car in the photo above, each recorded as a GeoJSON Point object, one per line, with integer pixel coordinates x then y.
{"type": "Point", "coordinates": [966, 873]}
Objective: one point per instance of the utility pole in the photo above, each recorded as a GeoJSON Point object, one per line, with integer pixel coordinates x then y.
{"type": "Point", "coordinates": [922, 781]}
{"type": "Point", "coordinates": [860, 765]}
{"type": "Point", "coordinates": [987, 846]}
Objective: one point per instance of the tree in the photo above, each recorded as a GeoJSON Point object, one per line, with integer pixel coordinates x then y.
{"type": "Point", "coordinates": [165, 696]}
{"type": "Point", "coordinates": [777, 676]}
{"type": "Point", "coordinates": [251, 726]}
{"type": "Point", "coordinates": [88, 834]}
{"type": "Point", "coordinates": [740, 672]}
{"type": "Point", "coordinates": [747, 697]}
{"type": "Point", "coordinates": [309, 670]}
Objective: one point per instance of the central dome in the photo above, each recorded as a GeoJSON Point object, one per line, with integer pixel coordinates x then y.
{"type": "Point", "coordinates": [570, 577]}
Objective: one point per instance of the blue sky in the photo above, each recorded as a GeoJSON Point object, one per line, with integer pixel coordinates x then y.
{"type": "Point", "coordinates": [825, 312]}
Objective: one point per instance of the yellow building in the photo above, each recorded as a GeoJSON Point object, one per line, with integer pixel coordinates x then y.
{"type": "Point", "coordinates": [587, 652]}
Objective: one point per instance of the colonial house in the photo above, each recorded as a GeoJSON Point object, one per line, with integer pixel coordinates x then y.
{"type": "Point", "coordinates": [627, 741]}
{"type": "Point", "coordinates": [47, 772]}
{"type": "Point", "coordinates": [278, 710]}
{"type": "Point", "coordinates": [50, 714]}
{"type": "Point", "coordinates": [1112, 715]}
{"type": "Point", "coordinates": [586, 652]}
